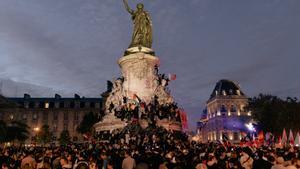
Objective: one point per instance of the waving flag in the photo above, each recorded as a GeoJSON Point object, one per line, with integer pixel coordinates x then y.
{"type": "Point", "coordinates": [291, 138]}
{"type": "Point", "coordinates": [297, 140]}
{"type": "Point", "coordinates": [284, 137]}
{"type": "Point", "coordinates": [172, 77]}
{"type": "Point", "coordinates": [184, 120]}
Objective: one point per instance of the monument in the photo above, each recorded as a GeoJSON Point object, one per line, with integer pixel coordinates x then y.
{"type": "Point", "coordinates": [141, 87]}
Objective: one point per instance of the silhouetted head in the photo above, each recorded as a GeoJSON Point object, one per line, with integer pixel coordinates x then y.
{"type": "Point", "coordinates": [140, 6]}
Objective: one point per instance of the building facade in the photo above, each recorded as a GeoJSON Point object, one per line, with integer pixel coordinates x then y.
{"type": "Point", "coordinates": [57, 112]}
{"type": "Point", "coordinates": [225, 116]}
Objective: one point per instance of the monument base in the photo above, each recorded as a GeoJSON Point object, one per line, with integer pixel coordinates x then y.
{"type": "Point", "coordinates": [109, 123]}
{"type": "Point", "coordinates": [140, 77]}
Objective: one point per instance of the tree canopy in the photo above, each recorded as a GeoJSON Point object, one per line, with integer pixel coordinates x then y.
{"type": "Point", "coordinates": [64, 137]}
{"type": "Point", "coordinates": [86, 125]}
{"type": "Point", "coordinates": [273, 113]}
{"type": "Point", "coordinates": [14, 130]}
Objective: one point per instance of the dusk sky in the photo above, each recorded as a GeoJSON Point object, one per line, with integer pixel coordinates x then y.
{"type": "Point", "coordinates": [72, 46]}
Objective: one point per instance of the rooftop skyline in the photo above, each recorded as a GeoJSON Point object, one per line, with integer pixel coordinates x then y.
{"type": "Point", "coordinates": [68, 47]}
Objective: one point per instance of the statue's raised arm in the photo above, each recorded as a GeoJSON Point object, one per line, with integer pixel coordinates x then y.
{"type": "Point", "coordinates": [127, 7]}
{"type": "Point", "coordinates": [142, 29]}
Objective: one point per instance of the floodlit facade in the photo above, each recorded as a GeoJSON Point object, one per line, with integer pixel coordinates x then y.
{"type": "Point", "coordinates": [225, 116]}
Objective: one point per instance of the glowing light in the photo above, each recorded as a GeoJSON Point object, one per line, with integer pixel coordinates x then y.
{"type": "Point", "coordinates": [250, 127]}
{"type": "Point", "coordinates": [36, 129]}
{"type": "Point", "coordinates": [218, 113]}
{"type": "Point", "coordinates": [229, 114]}
{"type": "Point", "coordinates": [46, 105]}
{"type": "Point", "coordinates": [249, 113]}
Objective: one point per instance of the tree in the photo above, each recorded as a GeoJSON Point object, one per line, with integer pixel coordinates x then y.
{"type": "Point", "coordinates": [45, 136]}
{"type": "Point", "coordinates": [3, 128]}
{"type": "Point", "coordinates": [17, 130]}
{"type": "Point", "coordinates": [64, 137]}
{"type": "Point", "coordinates": [273, 113]}
{"type": "Point", "coordinates": [86, 125]}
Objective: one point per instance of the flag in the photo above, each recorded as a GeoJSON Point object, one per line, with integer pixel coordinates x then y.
{"type": "Point", "coordinates": [291, 138]}
{"type": "Point", "coordinates": [184, 120]}
{"type": "Point", "coordinates": [297, 139]}
{"type": "Point", "coordinates": [172, 77]}
{"type": "Point", "coordinates": [279, 140]}
{"type": "Point", "coordinates": [284, 137]}
{"type": "Point", "coordinates": [261, 137]}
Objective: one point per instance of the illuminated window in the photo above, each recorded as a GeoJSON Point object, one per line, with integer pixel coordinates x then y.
{"type": "Point", "coordinates": [46, 105]}
{"type": "Point", "coordinates": [249, 113]}
{"type": "Point", "coordinates": [224, 93]}
{"type": "Point", "coordinates": [239, 113]}
{"type": "Point", "coordinates": [238, 92]}
{"type": "Point", "coordinates": [230, 136]}
{"type": "Point", "coordinates": [11, 116]}
{"type": "Point", "coordinates": [218, 113]}
{"type": "Point", "coordinates": [229, 114]}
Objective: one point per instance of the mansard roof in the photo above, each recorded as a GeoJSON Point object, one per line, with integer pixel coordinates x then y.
{"type": "Point", "coordinates": [226, 88]}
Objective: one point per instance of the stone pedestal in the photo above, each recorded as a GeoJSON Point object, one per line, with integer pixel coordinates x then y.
{"type": "Point", "coordinates": [109, 123]}
{"type": "Point", "coordinates": [140, 77]}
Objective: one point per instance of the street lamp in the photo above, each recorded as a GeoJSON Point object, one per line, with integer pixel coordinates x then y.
{"type": "Point", "coordinates": [36, 129]}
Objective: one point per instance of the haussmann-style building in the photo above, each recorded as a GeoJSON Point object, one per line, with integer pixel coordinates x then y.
{"type": "Point", "coordinates": [57, 112]}
{"type": "Point", "coordinates": [225, 116]}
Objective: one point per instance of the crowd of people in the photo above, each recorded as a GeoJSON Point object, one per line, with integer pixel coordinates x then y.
{"type": "Point", "coordinates": [150, 150]}
{"type": "Point", "coordinates": [151, 112]}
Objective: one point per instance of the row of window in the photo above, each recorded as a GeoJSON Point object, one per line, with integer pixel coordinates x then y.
{"type": "Point", "coordinates": [231, 92]}
{"type": "Point", "coordinates": [45, 115]}
{"type": "Point", "coordinates": [62, 104]}
{"type": "Point", "coordinates": [232, 108]}
{"type": "Point", "coordinates": [211, 115]}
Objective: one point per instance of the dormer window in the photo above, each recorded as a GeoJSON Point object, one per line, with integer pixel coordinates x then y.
{"type": "Point", "coordinates": [238, 92]}
{"type": "Point", "coordinates": [224, 93]}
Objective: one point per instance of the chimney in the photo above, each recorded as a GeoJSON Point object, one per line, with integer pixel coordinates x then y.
{"type": "Point", "coordinates": [27, 96]}
{"type": "Point", "coordinates": [57, 96]}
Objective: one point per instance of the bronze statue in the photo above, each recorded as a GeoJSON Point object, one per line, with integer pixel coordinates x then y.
{"type": "Point", "coordinates": [142, 32]}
